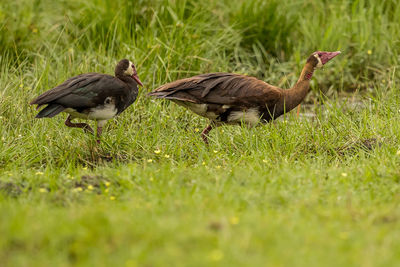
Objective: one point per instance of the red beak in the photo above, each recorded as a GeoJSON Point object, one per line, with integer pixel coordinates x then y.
{"type": "Point", "coordinates": [136, 78]}
{"type": "Point", "coordinates": [328, 56]}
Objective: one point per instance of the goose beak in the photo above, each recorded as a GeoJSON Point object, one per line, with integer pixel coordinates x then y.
{"type": "Point", "coordinates": [136, 78]}
{"type": "Point", "coordinates": [328, 56]}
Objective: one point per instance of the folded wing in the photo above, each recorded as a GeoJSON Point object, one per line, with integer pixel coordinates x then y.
{"type": "Point", "coordinates": [220, 88]}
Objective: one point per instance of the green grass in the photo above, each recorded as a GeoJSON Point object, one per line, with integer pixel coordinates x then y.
{"type": "Point", "coordinates": [318, 191]}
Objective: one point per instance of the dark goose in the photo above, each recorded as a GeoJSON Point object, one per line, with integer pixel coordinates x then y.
{"type": "Point", "coordinates": [92, 96]}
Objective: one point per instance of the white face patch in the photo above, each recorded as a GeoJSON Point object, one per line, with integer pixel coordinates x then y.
{"type": "Point", "coordinates": [251, 117]}
{"type": "Point", "coordinates": [129, 70]}
{"type": "Point", "coordinates": [319, 65]}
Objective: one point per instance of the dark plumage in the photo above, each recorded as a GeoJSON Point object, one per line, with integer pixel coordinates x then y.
{"type": "Point", "coordinates": [233, 98]}
{"type": "Point", "coordinates": [92, 96]}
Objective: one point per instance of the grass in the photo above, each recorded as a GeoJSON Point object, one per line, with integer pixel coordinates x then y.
{"type": "Point", "coordinates": [308, 191]}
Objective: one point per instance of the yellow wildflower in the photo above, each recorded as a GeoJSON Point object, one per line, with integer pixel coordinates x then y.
{"type": "Point", "coordinates": [216, 255]}
{"type": "Point", "coordinates": [344, 235]}
{"type": "Point", "coordinates": [344, 174]}
{"type": "Point", "coordinates": [158, 151]}
{"type": "Point", "coordinates": [112, 198]}
{"type": "Point", "coordinates": [234, 220]}
{"type": "Point", "coordinates": [42, 190]}
{"type": "Point", "coordinates": [90, 187]}
{"type": "Point", "coordinates": [369, 52]}
{"type": "Point", "coordinates": [131, 263]}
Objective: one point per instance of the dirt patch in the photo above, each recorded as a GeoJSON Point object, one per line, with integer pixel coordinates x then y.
{"type": "Point", "coordinates": [215, 226]}
{"type": "Point", "coordinates": [11, 189]}
{"type": "Point", "coordinates": [93, 160]}
{"type": "Point", "coordinates": [355, 145]}
{"type": "Point", "coordinates": [386, 219]}
{"type": "Point", "coordinates": [92, 182]}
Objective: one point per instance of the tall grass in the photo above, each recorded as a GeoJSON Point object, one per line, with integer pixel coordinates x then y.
{"type": "Point", "coordinates": [191, 36]}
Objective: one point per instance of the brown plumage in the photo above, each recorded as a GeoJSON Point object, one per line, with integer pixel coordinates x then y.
{"type": "Point", "coordinates": [233, 98]}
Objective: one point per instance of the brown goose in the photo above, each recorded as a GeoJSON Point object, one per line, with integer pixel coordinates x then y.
{"type": "Point", "coordinates": [233, 98]}
{"type": "Point", "coordinates": [92, 96]}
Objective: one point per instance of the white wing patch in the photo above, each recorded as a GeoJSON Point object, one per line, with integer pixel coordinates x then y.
{"type": "Point", "coordinates": [200, 109]}
{"type": "Point", "coordinates": [104, 112]}
{"type": "Point", "coordinates": [251, 117]}
{"type": "Point", "coordinates": [75, 113]}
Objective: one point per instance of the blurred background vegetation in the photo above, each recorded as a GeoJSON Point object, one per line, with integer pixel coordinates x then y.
{"type": "Point", "coordinates": [171, 39]}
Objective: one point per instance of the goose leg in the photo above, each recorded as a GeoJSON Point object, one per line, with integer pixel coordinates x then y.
{"type": "Point", "coordinates": [100, 125]}
{"type": "Point", "coordinates": [99, 131]}
{"type": "Point", "coordinates": [298, 111]}
{"type": "Point", "coordinates": [84, 126]}
{"type": "Point", "coordinates": [204, 133]}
